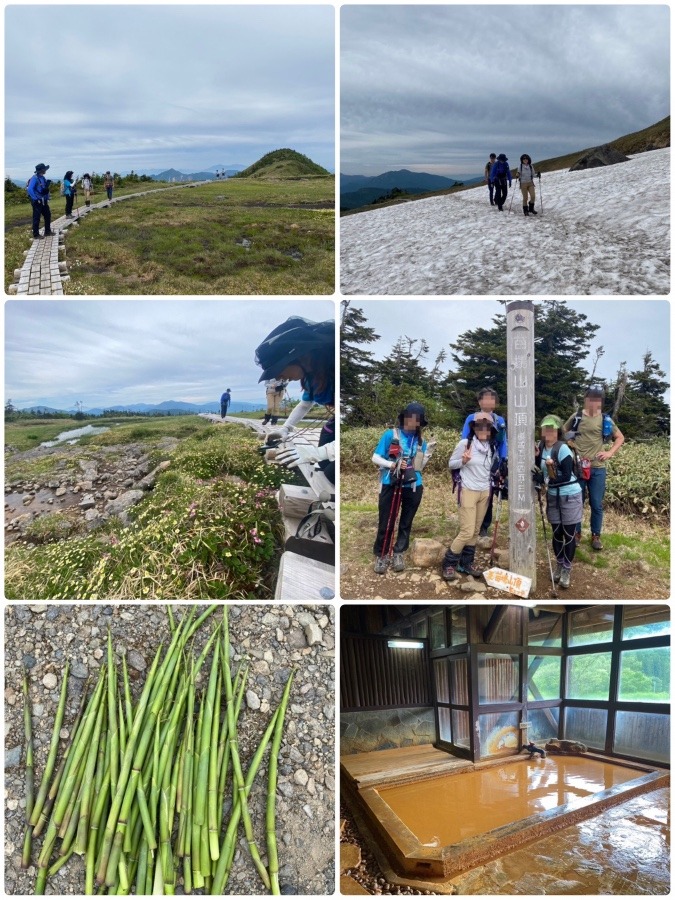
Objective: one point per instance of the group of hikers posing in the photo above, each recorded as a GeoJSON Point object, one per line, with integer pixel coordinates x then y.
{"type": "Point", "coordinates": [570, 466]}
{"type": "Point", "coordinates": [498, 176]}
{"type": "Point", "coordinates": [39, 194]}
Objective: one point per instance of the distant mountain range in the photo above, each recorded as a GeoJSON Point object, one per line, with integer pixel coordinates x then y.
{"type": "Point", "coordinates": [361, 190]}
{"type": "Point", "coordinates": [210, 174]}
{"type": "Point", "coordinates": [168, 407]}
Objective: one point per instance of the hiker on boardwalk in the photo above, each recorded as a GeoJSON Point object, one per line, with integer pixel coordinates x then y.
{"type": "Point", "coordinates": [526, 175]}
{"type": "Point", "coordinates": [488, 168]}
{"type": "Point", "coordinates": [472, 464]}
{"type": "Point", "coordinates": [38, 191]}
{"type": "Point", "coordinates": [304, 351]}
{"type": "Point", "coordinates": [108, 184]}
{"type": "Point", "coordinates": [274, 394]}
{"type": "Point", "coordinates": [88, 188]}
{"type": "Point", "coordinates": [224, 403]}
{"type": "Point", "coordinates": [500, 173]}
{"type": "Point", "coordinates": [591, 430]}
{"type": "Point", "coordinates": [563, 495]}
{"type": "Point", "coordinates": [69, 192]}
{"type": "Point", "coordinates": [487, 401]}
{"type": "Point", "coordinates": [401, 454]}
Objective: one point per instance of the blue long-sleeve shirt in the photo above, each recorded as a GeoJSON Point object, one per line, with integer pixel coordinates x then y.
{"type": "Point", "coordinates": [38, 188]}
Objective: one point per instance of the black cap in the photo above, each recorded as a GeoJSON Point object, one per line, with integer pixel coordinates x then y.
{"type": "Point", "coordinates": [293, 339]}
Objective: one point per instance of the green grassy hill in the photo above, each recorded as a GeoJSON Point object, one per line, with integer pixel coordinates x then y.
{"type": "Point", "coordinates": [283, 163]}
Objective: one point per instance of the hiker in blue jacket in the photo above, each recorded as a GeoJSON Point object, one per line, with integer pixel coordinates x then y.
{"type": "Point", "coordinates": [224, 403]}
{"type": "Point", "coordinates": [499, 175]}
{"type": "Point", "coordinates": [38, 191]}
{"type": "Point", "coordinates": [401, 454]}
{"type": "Point", "coordinates": [487, 401]}
{"type": "Point", "coordinates": [69, 192]}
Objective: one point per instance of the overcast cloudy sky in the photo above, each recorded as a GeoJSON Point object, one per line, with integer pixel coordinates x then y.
{"type": "Point", "coordinates": [438, 88]}
{"type": "Point", "coordinates": [155, 87]}
{"type": "Point", "coordinates": [628, 328]}
{"type": "Point", "coordinates": [111, 352]}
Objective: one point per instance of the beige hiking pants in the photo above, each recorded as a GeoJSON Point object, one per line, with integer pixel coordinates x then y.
{"type": "Point", "coordinates": [471, 515]}
{"type": "Point", "coordinates": [527, 189]}
{"type": "Point", "coordinates": [274, 399]}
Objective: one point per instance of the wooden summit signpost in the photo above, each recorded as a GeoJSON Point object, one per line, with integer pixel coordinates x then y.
{"type": "Point", "coordinates": [521, 429]}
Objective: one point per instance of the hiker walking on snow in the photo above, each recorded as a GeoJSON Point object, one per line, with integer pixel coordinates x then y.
{"type": "Point", "coordinates": [304, 351]}
{"type": "Point", "coordinates": [487, 401]}
{"type": "Point", "coordinates": [472, 463]}
{"type": "Point", "coordinates": [488, 181]}
{"type": "Point", "coordinates": [591, 431]}
{"type": "Point", "coordinates": [224, 403]}
{"type": "Point", "coordinates": [401, 455]}
{"type": "Point", "coordinates": [526, 175]}
{"type": "Point", "coordinates": [500, 173]}
{"type": "Point", "coordinates": [69, 192]}
{"type": "Point", "coordinates": [38, 191]}
{"type": "Point", "coordinates": [563, 495]}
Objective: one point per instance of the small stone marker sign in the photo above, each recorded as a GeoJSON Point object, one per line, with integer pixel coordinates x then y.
{"type": "Point", "coordinates": [519, 585]}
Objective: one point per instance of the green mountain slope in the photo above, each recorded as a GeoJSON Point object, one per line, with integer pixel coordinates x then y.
{"type": "Point", "coordinates": [283, 163]}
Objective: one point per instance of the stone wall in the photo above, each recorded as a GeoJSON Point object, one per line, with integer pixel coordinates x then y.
{"type": "Point", "coordinates": [384, 729]}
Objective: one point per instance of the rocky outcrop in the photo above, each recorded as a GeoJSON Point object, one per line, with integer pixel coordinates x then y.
{"type": "Point", "coordinates": [120, 507]}
{"type": "Point", "coordinates": [600, 156]}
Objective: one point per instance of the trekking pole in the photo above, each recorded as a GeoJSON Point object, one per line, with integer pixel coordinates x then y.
{"type": "Point", "coordinates": [511, 203]}
{"type": "Point", "coordinates": [548, 552]}
{"type": "Point", "coordinates": [396, 501]}
{"type": "Point", "coordinates": [541, 199]}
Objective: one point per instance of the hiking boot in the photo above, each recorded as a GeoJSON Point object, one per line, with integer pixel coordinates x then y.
{"type": "Point", "coordinates": [596, 543]}
{"type": "Point", "coordinates": [557, 572]}
{"type": "Point", "coordinates": [49, 233]}
{"type": "Point", "coordinates": [532, 209]}
{"type": "Point", "coordinates": [380, 567]}
{"type": "Point", "coordinates": [525, 211]}
{"type": "Point", "coordinates": [466, 566]}
{"type": "Point", "coordinates": [500, 208]}
{"type": "Point", "coordinates": [565, 578]}
{"type": "Point", "coordinates": [397, 562]}
{"type": "Point", "coordinates": [450, 573]}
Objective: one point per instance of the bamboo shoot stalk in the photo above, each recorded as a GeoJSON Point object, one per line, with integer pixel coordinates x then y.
{"type": "Point", "coordinates": [122, 726]}
{"type": "Point", "coordinates": [196, 832]}
{"type": "Point", "coordinates": [88, 784]}
{"type": "Point", "coordinates": [128, 703]}
{"type": "Point", "coordinates": [113, 726]}
{"type": "Point", "coordinates": [205, 746]}
{"type": "Point", "coordinates": [53, 750]}
{"type": "Point", "coordinates": [236, 763]}
{"type": "Point", "coordinates": [67, 785]}
{"type": "Point", "coordinates": [270, 815]}
{"type": "Point", "coordinates": [101, 800]}
{"type": "Point", "coordinates": [73, 807]}
{"type": "Point", "coordinates": [30, 774]}
{"type": "Point", "coordinates": [148, 827]}
{"type": "Point", "coordinates": [213, 773]}
{"type": "Point", "coordinates": [169, 613]}
{"type": "Point", "coordinates": [228, 846]}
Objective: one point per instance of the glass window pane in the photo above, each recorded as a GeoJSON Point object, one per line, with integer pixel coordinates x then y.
{"type": "Point", "coordinates": [588, 676]}
{"type": "Point", "coordinates": [498, 677]}
{"type": "Point", "coordinates": [499, 733]}
{"type": "Point", "coordinates": [544, 629]}
{"type": "Point", "coordinates": [644, 735]}
{"type": "Point", "coordinates": [459, 680]}
{"type": "Point", "coordinates": [460, 728]}
{"type": "Point", "coordinates": [645, 621]}
{"type": "Point", "coordinates": [420, 628]}
{"type": "Point", "coordinates": [543, 677]}
{"type": "Point", "coordinates": [542, 725]}
{"type": "Point", "coordinates": [586, 725]}
{"type": "Point", "coordinates": [442, 686]}
{"type": "Point", "coordinates": [437, 630]}
{"type": "Point", "coordinates": [591, 626]}
{"type": "Point", "coordinates": [458, 625]}
{"type": "Point", "coordinates": [645, 675]}
{"type": "Point", "coordinates": [444, 724]}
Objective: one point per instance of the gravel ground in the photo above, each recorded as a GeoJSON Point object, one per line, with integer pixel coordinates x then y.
{"type": "Point", "coordinates": [272, 639]}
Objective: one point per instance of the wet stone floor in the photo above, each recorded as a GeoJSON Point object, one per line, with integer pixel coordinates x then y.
{"type": "Point", "coordinates": [624, 850]}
